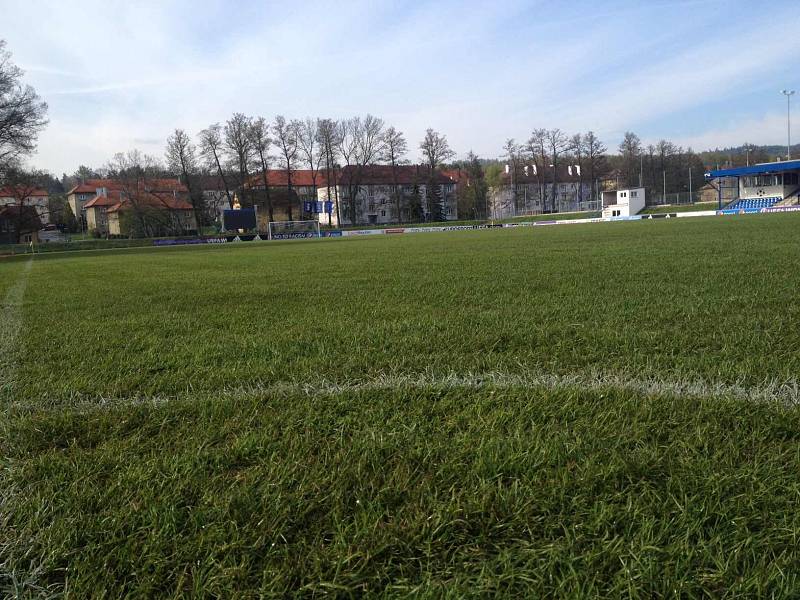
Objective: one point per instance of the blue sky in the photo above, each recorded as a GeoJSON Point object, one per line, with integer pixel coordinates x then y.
{"type": "Point", "coordinates": [121, 75]}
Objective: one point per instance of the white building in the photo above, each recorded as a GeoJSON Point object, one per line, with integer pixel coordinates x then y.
{"type": "Point", "coordinates": [623, 203]}
{"type": "Point", "coordinates": [530, 191]}
{"type": "Point", "coordinates": [373, 195]}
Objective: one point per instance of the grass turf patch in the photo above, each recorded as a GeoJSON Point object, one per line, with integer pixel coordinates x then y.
{"type": "Point", "coordinates": [677, 208]}
{"type": "Point", "coordinates": [159, 443]}
{"type": "Point", "coordinates": [469, 492]}
{"type": "Point", "coordinates": [712, 300]}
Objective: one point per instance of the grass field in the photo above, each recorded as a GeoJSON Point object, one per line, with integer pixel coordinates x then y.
{"type": "Point", "coordinates": [596, 410]}
{"type": "Point", "coordinates": [676, 208]}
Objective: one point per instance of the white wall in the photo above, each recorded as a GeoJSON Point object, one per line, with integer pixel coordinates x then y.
{"type": "Point", "coordinates": [629, 203]}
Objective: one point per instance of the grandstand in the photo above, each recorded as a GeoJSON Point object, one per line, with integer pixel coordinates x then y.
{"type": "Point", "coordinates": [766, 187]}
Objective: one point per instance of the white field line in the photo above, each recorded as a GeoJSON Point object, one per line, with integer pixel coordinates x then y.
{"type": "Point", "coordinates": [784, 393]}
{"type": "Point", "coordinates": [10, 325]}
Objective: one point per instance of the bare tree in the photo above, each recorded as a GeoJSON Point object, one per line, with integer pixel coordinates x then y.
{"type": "Point", "coordinates": [360, 145]}
{"type": "Point", "coordinates": [512, 155]}
{"type": "Point", "coordinates": [239, 150]}
{"type": "Point", "coordinates": [327, 139]}
{"type": "Point", "coordinates": [261, 143]}
{"type": "Point", "coordinates": [182, 160]}
{"type": "Point", "coordinates": [21, 184]}
{"type": "Point", "coordinates": [22, 112]}
{"type": "Point", "coordinates": [596, 164]}
{"type": "Point", "coordinates": [557, 144]}
{"type": "Point", "coordinates": [308, 142]}
{"type": "Point", "coordinates": [577, 147]}
{"type": "Point", "coordinates": [537, 154]}
{"type": "Point", "coordinates": [436, 151]}
{"type": "Point", "coordinates": [150, 208]}
{"type": "Point", "coordinates": [347, 134]}
{"type": "Point", "coordinates": [631, 149]}
{"type": "Point", "coordinates": [394, 150]}
{"type": "Point", "coordinates": [286, 138]}
{"type": "Point", "coordinates": [211, 150]}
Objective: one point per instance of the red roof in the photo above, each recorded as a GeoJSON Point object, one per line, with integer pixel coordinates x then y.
{"type": "Point", "coordinates": [8, 192]}
{"type": "Point", "coordinates": [90, 186]}
{"type": "Point", "coordinates": [110, 199]}
{"type": "Point", "coordinates": [163, 202]}
{"type": "Point", "coordinates": [280, 178]}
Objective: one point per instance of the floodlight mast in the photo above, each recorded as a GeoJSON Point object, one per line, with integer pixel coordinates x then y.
{"type": "Point", "coordinates": [788, 94]}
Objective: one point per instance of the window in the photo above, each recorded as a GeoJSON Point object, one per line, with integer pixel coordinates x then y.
{"type": "Point", "coordinates": [634, 194]}
{"type": "Point", "coordinates": [383, 213]}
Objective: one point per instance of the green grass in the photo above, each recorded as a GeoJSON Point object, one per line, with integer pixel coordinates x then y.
{"type": "Point", "coordinates": [10, 269]}
{"type": "Point", "coordinates": [465, 414]}
{"type": "Point", "coordinates": [525, 219]}
{"type": "Point", "coordinates": [677, 208]}
{"type": "Point", "coordinates": [554, 217]}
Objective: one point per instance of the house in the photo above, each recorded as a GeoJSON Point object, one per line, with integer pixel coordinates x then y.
{"type": "Point", "coordinates": [94, 211]}
{"type": "Point", "coordinates": [110, 192]}
{"type": "Point", "coordinates": [19, 224]}
{"type": "Point", "coordinates": [367, 195]}
{"type": "Point", "coordinates": [80, 194]}
{"type": "Point", "coordinates": [88, 200]}
{"type": "Point", "coordinates": [150, 215]}
{"type": "Point", "coordinates": [38, 198]}
{"type": "Point", "coordinates": [623, 203]}
{"type": "Point", "coordinates": [531, 190]}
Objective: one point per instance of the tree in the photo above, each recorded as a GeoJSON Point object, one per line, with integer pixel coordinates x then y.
{"type": "Point", "coordinates": [631, 149]}
{"type": "Point", "coordinates": [394, 149]}
{"type": "Point", "coordinates": [327, 132]}
{"type": "Point", "coordinates": [347, 132]}
{"type": "Point", "coordinates": [144, 216]}
{"type": "Point", "coordinates": [476, 188]}
{"type": "Point", "coordinates": [286, 138]}
{"type": "Point", "coordinates": [556, 144]}
{"type": "Point", "coordinates": [68, 220]}
{"type": "Point", "coordinates": [577, 148]}
{"type": "Point", "coordinates": [537, 154]}
{"type": "Point", "coordinates": [21, 184]}
{"type": "Point", "coordinates": [596, 163]}
{"type": "Point", "coordinates": [307, 141]}
{"type": "Point", "coordinates": [360, 143]}
{"type": "Point", "coordinates": [236, 141]}
{"type": "Point", "coordinates": [22, 113]}
{"type": "Point", "coordinates": [261, 142]}
{"type": "Point", "coordinates": [211, 151]}
{"type": "Point", "coordinates": [182, 161]}
{"type": "Point", "coordinates": [512, 155]}
{"type": "Point", "coordinates": [436, 151]}
{"type": "Point", "coordinates": [415, 210]}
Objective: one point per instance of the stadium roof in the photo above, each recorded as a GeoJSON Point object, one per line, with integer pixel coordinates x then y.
{"type": "Point", "coordinates": [762, 169]}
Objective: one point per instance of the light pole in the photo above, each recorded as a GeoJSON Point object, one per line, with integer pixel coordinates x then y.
{"type": "Point", "coordinates": [788, 94]}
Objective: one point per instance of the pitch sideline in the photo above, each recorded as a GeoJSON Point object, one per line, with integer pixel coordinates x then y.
{"type": "Point", "coordinates": [10, 326]}
{"type": "Point", "coordinates": [786, 393]}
